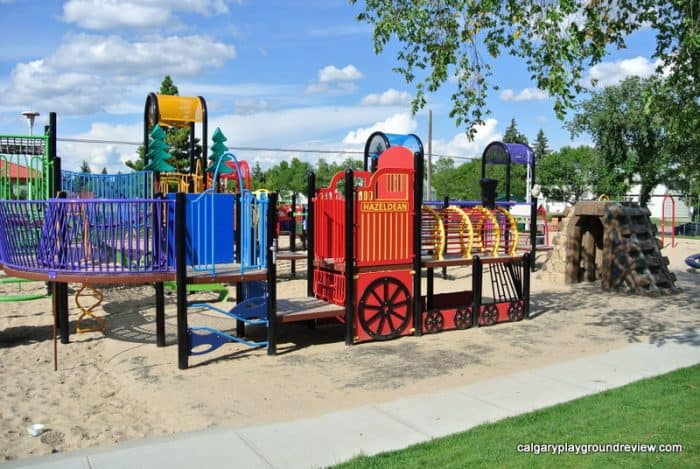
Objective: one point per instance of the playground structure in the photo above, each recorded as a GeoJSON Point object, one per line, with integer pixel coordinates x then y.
{"type": "Point", "coordinates": [26, 173]}
{"type": "Point", "coordinates": [366, 250]}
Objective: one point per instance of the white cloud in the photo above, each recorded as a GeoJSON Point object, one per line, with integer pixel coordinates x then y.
{"type": "Point", "coordinates": [188, 55]}
{"type": "Point", "coordinates": [390, 97]}
{"type": "Point", "coordinates": [461, 146]}
{"type": "Point", "coordinates": [251, 106]}
{"type": "Point", "coordinates": [611, 73]}
{"type": "Point", "coordinates": [335, 81]}
{"type": "Point", "coordinates": [402, 123]}
{"type": "Point", "coordinates": [288, 126]}
{"type": "Point", "coordinates": [317, 88]}
{"type": "Point", "coordinates": [124, 108]}
{"type": "Point", "coordinates": [88, 73]}
{"type": "Point", "coordinates": [331, 73]}
{"type": "Point", "coordinates": [110, 156]}
{"type": "Point", "coordinates": [527, 94]}
{"type": "Point", "coordinates": [108, 14]}
{"type": "Point", "coordinates": [333, 89]}
{"type": "Point", "coordinates": [235, 89]}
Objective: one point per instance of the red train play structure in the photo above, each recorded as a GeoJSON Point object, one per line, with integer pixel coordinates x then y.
{"type": "Point", "coordinates": [372, 238]}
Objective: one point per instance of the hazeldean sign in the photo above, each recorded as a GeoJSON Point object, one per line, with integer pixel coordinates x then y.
{"type": "Point", "coordinates": [385, 206]}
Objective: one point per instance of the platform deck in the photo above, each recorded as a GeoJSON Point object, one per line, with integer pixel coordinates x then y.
{"type": "Point", "coordinates": [306, 308]}
{"type": "Point", "coordinates": [291, 256]}
{"type": "Point", "coordinates": [225, 273]}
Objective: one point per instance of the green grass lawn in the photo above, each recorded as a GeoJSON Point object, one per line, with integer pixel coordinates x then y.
{"type": "Point", "coordinates": [660, 410]}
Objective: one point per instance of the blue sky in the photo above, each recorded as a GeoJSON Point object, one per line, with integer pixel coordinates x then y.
{"type": "Point", "coordinates": [275, 73]}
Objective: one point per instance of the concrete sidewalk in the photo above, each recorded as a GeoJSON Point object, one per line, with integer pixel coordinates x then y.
{"type": "Point", "coordinates": [371, 429]}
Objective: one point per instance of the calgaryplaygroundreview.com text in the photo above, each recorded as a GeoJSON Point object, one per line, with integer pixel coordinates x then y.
{"type": "Point", "coordinates": [591, 448]}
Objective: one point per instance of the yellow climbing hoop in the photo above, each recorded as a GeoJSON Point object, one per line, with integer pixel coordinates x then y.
{"type": "Point", "coordinates": [465, 231]}
{"type": "Point", "coordinates": [438, 234]}
{"type": "Point", "coordinates": [512, 229]}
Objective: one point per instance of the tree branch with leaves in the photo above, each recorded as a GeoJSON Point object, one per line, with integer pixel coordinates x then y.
{"type": "Point", "coordinates": [558, 40]}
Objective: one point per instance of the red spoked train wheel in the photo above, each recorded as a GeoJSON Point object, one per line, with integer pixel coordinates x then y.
{"type": "Point", "coordinates": [463, 317]}
{"type": "Point", "coordinates": [489, 315]}
{"type": "Point", "coordinates": [384, 309]}
{"type": "Point", "coordinates": [516, 311]}
{"type": "Point", "coordinates": [434, 321]}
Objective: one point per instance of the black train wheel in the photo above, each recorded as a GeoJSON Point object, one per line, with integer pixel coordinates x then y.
{"type": "Point", "coordinates": [384, 308]}
{"type": "Point", "coordinates": [489, 316]}
{"type": "Point", "coordinates": [434, 321]}
{"type": "Point", "coordinates": [463, 317]}
{"type": "Point", "coordinates": [516, 311]}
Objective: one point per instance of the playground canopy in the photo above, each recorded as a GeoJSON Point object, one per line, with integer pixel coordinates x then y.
{"type": "Point", "coordinates": [380, 141]}
{"type": "Point", "coordinates": [502, 153]}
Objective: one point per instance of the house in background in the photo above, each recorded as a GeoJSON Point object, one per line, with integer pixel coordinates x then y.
{"type": "Point", "coordinates": [16, 181]}
{"type": "Point", "coordinates": [666, 203]}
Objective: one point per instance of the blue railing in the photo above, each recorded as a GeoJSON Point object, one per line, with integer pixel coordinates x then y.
{"type": "Point", "coordinates": [137, 185]}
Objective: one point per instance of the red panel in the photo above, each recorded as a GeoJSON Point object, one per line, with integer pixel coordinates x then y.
{"type": "Point", "coordinates": [329, 286]}
{"type": "Point", "coordinates": [245, 173]}
{"type": "Point", "coordinates": [448, 311]}
{"type": "Point", "coordinates": [373, 321]}
{"type": "Point", "coordinates": [506, 311]}
{"type": "Point", "coordinates": [395, 158]}
{"type": "Point", "coordinates": [445, 319]}
{"type": "Point", "coordinates": [384, 218]}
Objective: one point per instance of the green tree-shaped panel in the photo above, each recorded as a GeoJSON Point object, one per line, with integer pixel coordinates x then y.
{"type": "Point", "coordinates": [158, 152]}
{"type": "Point", "coordinates": [218, 149]}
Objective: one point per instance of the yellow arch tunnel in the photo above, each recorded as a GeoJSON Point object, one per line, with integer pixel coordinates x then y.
{"type": "Point", "coordinates": [467, 231]}
{"type": "Point", "coordinates": [178, 112]}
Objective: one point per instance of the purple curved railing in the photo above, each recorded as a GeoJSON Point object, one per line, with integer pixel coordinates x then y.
{"type": "Point", "coordinates": [105, 236]}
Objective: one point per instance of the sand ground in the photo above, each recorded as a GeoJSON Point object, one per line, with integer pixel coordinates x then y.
{"type": "Point", "coordinates": [117, 385]}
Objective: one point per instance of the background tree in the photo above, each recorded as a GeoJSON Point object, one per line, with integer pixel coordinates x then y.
{"type": "Point", "coordinates": [104, 171]}
{"type": "Point", "coordinates": [443, 179]}
{"type": "Point", "coordinates": [288, 177]}
{"type": "Point", "coordinates": [681, 118]}
{"type": "Point", "coordinates": [566, 175]}
{"type": "Point", "coordinates": [630, 135]}
{"type": "Point", "coordinates": [257, 177]}
{"type": "Point", "coordinates": [85, 167]}
{"type": "Point", "coordinates": [178, 139]}
{"type": "Point", "coordinates": [540, 147]}
{"type": "Point", "coordinates": [558, 40]}
{"type": "Point", "coordinates": [167, 86]}
{"type": "Point", "coordinates": [513, 135]}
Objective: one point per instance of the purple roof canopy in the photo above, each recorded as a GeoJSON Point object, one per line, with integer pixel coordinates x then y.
{"type": "Point", "coordinates": [499, 153]}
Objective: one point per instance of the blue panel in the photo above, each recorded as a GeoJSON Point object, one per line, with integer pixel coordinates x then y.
{"type": "Point", "coordinates": [251, 308]}
{"type": "Point", "coordinates": [213, 340]}
{"type": "Point", "coordinates": [209, 228]}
